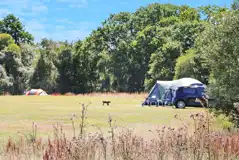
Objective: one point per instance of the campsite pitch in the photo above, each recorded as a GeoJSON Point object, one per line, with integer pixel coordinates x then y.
{"type": "Point", "coordinates": [17, 114]}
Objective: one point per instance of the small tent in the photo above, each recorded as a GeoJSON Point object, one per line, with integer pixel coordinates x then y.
{"type": "Point", "coordinates": [38, 92]}
{"type": "Point", "coordinates": [167, 92]}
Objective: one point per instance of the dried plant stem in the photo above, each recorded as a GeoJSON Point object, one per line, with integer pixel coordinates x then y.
{"type": "Point", "coordinates": [74, 129]}
{"type": "Point", "coordinates": [112, 134]}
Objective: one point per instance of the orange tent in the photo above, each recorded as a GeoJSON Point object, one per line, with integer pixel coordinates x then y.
{"type": "Point", "coordinates": [38, 92]}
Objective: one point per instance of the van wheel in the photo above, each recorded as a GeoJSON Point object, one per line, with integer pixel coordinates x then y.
{"type": "Point", "coordinates": [180, 104]}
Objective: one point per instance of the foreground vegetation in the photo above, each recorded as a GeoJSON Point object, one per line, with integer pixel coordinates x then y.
{"type": "Point", "coordinates": [197, 140]}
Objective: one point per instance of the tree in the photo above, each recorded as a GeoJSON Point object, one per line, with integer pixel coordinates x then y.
{"type": "Point", "coordinates": [220, 47]}
{"type": "Point", "coordinates": [189, 14]}
{"type": "Point", "coordinates": [84, 68]}
{"type": "Point", "coordinates": [28, 59]}
{"type": "Point", "coordinates": [5, 40]}
{"type": "Point", "coordinates": [5, 81]}
{"type": "Point", "coordinates": [162, 63]}
{"type": "Point", "coordinates": [12, 25]}
{"type": "Point", "coordinates": [65, 69]}
{"type": "Point", "coordinates": [128, 53]}
{"type": "Point", "coordinates": [15, 69]}
{"type": "Point", "coordinates": [184, 66]}
{"type": "Point", "coordinates": [235, 5]}
{"type": "Point", "coordinates": [46, 74]}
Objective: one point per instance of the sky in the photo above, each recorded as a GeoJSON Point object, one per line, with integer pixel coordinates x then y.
{"type": "Point", "coordinates": [75, 19]}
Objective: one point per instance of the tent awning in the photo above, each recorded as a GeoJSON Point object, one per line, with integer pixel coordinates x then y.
{"type": "Point", "coordinates": [183, 82]}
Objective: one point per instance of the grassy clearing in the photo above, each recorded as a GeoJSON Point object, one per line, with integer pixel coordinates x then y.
{"type": "Point", "coordinates": [189, 133]}
{"type": "Point", "coordinates": [18, 112]}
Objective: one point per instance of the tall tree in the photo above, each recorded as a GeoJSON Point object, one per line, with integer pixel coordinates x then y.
{"type": "Point", "coordinates": [220, 47]}
{"type": "Point", "coordinates": [5, 40]}
{"type": "Point", "coordinates": [65, 69]}
{"type": "Point", "coordinates": [162, 63]}
{"type": "Point", "coordinates": [15, 69]}
{"type": "Point", "coordinates": [46, 74]}
{"type": "Point", "coordinates": [12, 25]}
{"type": "Point", "coordinates": [235, 5]}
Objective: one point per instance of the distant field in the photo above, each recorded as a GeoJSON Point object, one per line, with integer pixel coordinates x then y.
{"type": "Point", "coordinates": [18, 112]}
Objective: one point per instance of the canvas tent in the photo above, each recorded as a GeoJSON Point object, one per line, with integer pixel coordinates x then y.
{"type": "Point", "coordinates": [38, 92]}
{"type": "Point", "coordinates": [165, 91]}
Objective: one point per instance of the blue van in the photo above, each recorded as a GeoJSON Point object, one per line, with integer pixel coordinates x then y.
{"type": "Point", "coordinates": [180, 93]}
{"type": "Point", "coordinates": [184, 96]}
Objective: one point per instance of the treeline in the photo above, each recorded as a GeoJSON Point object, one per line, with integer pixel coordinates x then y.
{"type": "Point", "coordinates": [128, 53]}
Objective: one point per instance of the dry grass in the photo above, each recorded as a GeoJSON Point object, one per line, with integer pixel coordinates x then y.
{"type": "Point", "coordinates": [111, 94]}
{"type": "Point", "coordinates": [167, 143]}
{"type": "Point", "coordinates": [130, 134]}
{"type": "Point", "coordinates": [18, 112]}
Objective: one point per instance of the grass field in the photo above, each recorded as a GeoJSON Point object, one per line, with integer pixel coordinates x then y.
{"type": "Point", "coordinates": [17, 113]}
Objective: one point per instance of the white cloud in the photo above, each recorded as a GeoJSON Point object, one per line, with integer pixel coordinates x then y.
{"type": "Point", "coordinates": [31, 14]}
{"type": "Point", "coordinates": [65, 21]}
{"type": "Point", "coordinates": [70, 35]}
{"type": "Point", "coordinates": [58, 32]}
{"type": "Point", "coordinates": [59, 9]}
{"type": "Point", "coordinates": [4, 12]}
{"type": "Point", "coordinates": [23, 7]}
{"type": "Point", "coordinates": [35, 25]}
{"type": "Point", "coordinates": [59, 27]}
{"type": "Point", "coordinates": [18, 3]}
{"type": "Point", "coordinates": [124, 3]}
{"type": "Point", "coordinates": [13, 6]}
{"type": "Point", "coordinates": [39, 8]}
{"type": "Point", "coordinates": [74, 3]}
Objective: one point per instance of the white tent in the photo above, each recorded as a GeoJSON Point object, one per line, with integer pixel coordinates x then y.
{"type": "Point", "coordinates": [183, 82]}
{"type": "Point", "coordinates": [160, 88]}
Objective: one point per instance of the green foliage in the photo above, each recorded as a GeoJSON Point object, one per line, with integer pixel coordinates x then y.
{"type": "Point", "coordinates": [162, 63]}
{"type": "Point", "coordinates": [235, 5]}
{"type": "Point", "coordinates": [13, 48]}
{"type": "Point", "coordinates": [84, 68]}
{"type": "Point", "coordinates": [219, 45]}
{"type": "Point", "coordinates": [5, 40]}
{"type": "Point", "coordinates": [5, 81]}
{"type": "Point", "coordinates": [184, 66]}
{"type": "Point", "coordinates": [186, 33]}
{"type": "Point", "coordinates": [211, 11]}
{"type": "Point", "coordinates": [45, 74]}
{"type": "Point", "coordinates": [12, 25]}
{"type": "Point", "coordinates": [128, 53]}
{"type": "Point", "coordinates": [224, 122]}
{"type": "Point", "coordinates": [65, 68]}
{"type": "Point", "coordinates": [15, 69]}
{"type": "Point", "coordinates": [189, 14]}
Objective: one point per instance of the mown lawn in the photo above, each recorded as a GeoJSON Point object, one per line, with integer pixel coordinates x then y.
{"type": "Point", "coordinates": [17, 113]}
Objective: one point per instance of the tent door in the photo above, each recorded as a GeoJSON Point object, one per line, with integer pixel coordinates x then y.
{"type": "Point", "coordinates": [154, 94]}
{"type": "Point", "coordinates": [167, 98]}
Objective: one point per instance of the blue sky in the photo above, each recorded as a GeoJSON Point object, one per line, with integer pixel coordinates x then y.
{"type": "Point", "coordinates": [75, 19]}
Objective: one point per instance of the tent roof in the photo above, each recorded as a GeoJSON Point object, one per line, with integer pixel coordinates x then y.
{"type": "Point", "coordinates": [35, 92]}
{"type": "Point", "coordinates": [183, 82]}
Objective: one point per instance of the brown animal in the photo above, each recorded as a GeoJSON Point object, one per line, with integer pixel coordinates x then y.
{"type": "Point", "coordinates": [107, 102]}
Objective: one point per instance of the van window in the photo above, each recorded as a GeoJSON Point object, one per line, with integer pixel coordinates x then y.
{"type": "Point", "coordinates": [201, 91]}
{"type": "Point", "coordinates": [189, 90]}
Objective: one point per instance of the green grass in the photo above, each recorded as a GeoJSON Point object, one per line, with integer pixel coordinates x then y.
{"type": "Point", "coordinates": [18, 112]}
